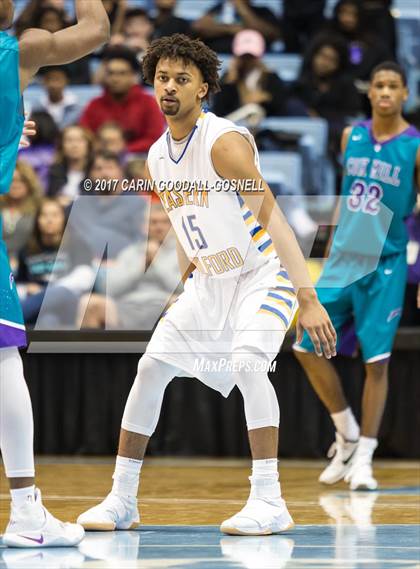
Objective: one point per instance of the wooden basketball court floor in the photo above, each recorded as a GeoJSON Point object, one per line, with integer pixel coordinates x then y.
{"type": "Point", "coordinates": [182, 503]}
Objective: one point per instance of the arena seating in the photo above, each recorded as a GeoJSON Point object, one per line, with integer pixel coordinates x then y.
{"type": "Point", "coordinates": [284, 168]}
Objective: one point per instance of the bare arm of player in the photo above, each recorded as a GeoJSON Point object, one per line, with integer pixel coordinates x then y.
{"type": "Point", "coordinates": [186, 267]}
{"type": "Point", "coordinates": [39, 48]}
{"type": "Point", "coordinates": [344, 140]}
{"type": "Point", "coordinates": [233, 159]}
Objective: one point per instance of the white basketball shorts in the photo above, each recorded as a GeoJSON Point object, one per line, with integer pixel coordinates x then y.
{"type": "Point", "coordinates": [217, 317]}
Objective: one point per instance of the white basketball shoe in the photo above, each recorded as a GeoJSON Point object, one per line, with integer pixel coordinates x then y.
{"type": "Point", "coordinates": [341, 452]}
{"type": "Point", "coordinates": [31, 525]}
{"type": "Point", "coordinates": [360, 474]}
{"type": "Point", "coordinates": [259, 517]}
{"type": "Point", "coordinates": [114, 513]}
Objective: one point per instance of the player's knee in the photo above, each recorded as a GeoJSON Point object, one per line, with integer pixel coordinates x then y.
{"type": "Point", "coordinates": [146, 392]}
{"type": "Point", "coordinates": [260, 399]}
{"type": "Point", "coordinates": [154, 372]}
{"type": "Point", "coordinates": [147, 368]}
{"type": "Point", "coordinates": [377, 372]}
{"type": "Point", "coordinates": [145, 399]}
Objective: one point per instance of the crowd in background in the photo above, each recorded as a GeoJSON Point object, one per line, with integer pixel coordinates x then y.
{"type": "Point", "coordinates": [58, 236]}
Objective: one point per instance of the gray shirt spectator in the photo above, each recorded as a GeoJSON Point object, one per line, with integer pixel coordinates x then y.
{"type": "Point", "coordinates": [136, 287]}
{"type": "Point", "coordinates": [107, 217]}
{"type": "Point", "coordinates": [60, 103]}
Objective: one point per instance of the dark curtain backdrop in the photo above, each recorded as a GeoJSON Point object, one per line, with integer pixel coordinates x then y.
{"type": "Point", "coordinates": [78, 402]}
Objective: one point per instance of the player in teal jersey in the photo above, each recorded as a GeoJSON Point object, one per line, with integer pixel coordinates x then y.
{"type": "Point", "coordinates": [364, 279]}
{"type": "Point", "coordinates": [31, 525]}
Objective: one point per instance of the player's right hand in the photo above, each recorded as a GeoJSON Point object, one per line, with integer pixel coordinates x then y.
{"type": "Point", "coordinates": [315, 320]}
{"type": "Point", "coordinates": [29, 129]}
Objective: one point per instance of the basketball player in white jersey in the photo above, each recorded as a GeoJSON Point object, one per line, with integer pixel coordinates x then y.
{"type": "Point", "coordinates": [238, 299]}
{"type": "Point", "coordinates": [31, 525]}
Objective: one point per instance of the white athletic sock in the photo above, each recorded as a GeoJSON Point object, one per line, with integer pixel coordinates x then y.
{"type": "Point", "coordinates": [346, 424]}
{"type": "Point", "coordinates": [126, 477]}
{"type": "Point", "coordinates": [265, 479]}
{"type": "Point", "coordinates": [21, 496]}
{"type": "Point", "coordinates": [366, 447]}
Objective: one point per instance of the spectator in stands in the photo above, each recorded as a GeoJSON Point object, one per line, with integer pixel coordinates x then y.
{"type": "Point", "coordinates": [249, 89]}
{"type": "Point", "coordinates": [29, 16]}
{"type": "Point", "coordinates": [105, 215]}
{"type": "Point", "coordinates": [57, 100]}
{"type": "Point", "coordinates": [53, 20]}
{"type": "Point", "coordinates": [137, 30]}
{"type": "Point", "coordinates": [227, 18]}
{"type": "Point", "coordinates": [301, 21]}
{"type": "Point", "coordinates": [40, 154]}
{"type": "Point", "coordinates": [326, 86]}
{"type": "Point", "coordinates": [116, 10]}
{"type": "Point", "coordinates": [136, 33]}
{"type": "Point", "coordinates": [381, 22]}
{"type": "Point", "coordinates": [110, 138]}
{"type": "Point", "coordinates": [74, 154]}
{"type": "Point", "coordinates": [166, 23]}
{"type": "Point", "coordinates": [366, 50]}
{"type": "Point", "coordinates": [60, 260]}
{"type": "Point", "coordinates": [135, 289]}
{"type": "Point", "coordinates": [125, 102]}
{"type": "Point", "coordinates": [135, 172]}
{"type": "Point", "coordinates": [18, 208]}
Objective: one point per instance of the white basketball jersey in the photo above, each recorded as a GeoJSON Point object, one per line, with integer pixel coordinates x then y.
{"type": "Point", "coordinates": [217, 231]}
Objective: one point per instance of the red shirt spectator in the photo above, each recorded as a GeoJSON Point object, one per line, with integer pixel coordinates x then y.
{"type": "Point", "coordinates": [126, 103]}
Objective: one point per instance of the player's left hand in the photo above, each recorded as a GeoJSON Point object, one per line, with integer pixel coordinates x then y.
{"type": "Point", "coordinates": [29, 129]}
{"type": "Point", "coordinates": [418, 296]}
{"type": "Point", "coordinates": [315, 320]}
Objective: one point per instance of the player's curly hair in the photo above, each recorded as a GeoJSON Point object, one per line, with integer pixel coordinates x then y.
{"type": "Point", "coordinates": [190, 51]}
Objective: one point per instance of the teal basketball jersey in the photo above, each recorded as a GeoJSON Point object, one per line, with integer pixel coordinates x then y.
{"type": "Point", "coordinates": [11, 109]}
{"type": "Point", "coordinates": [12, 329]}
{"type": "Point", "coordinates": [378, 192]}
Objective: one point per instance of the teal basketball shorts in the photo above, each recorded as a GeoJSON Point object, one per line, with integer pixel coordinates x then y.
{"type": "Point", "coordinates": [366, 312]}
{"type": "Point", "coordinates": [12, 328]}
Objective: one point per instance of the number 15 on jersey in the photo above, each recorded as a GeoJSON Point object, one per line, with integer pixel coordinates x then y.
{"type": "Point", "coordinates": [193, 233]}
